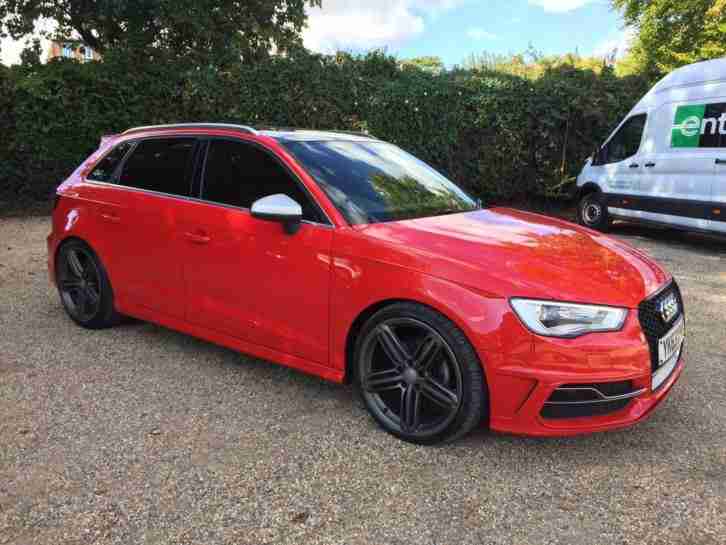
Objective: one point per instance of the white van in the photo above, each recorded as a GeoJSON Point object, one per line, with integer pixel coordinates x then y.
{"type": "Point", "coordinates": [666, 161]}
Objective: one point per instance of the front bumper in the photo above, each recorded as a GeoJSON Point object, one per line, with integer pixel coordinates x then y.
{"type": "Point", "coordinates": [527, 420]}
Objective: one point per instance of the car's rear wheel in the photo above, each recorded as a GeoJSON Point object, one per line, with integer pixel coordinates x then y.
{"type": "Point", "coordinates": [418, 375]}
{"type": "Point", "coordinates": [593, 213]}
{"type": "Point", "coordinates": [84, 288]}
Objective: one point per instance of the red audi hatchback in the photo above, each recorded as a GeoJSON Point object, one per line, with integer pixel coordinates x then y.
{"type": "Point", "coordinates": [346, 257]}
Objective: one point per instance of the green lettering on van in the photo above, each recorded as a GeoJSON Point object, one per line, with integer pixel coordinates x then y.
{"type": "Point", "coordinates": [686, 131]}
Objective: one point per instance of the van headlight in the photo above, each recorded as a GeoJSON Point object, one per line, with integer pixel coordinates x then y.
{"type": "Point", "coordinates": [556, 319]}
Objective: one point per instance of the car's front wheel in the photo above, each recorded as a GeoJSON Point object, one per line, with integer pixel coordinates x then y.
{"type": "Point", "coordinates": [84, 287]}
{"type": "Point", "coordinates": [418, 375]}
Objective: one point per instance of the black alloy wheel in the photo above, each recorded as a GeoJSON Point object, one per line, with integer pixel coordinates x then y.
{"type": "Point", "coordinates": [412, 380]}
{"type": "Point", "coordinates": [84, 287]}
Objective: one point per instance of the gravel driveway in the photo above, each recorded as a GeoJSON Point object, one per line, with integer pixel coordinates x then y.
{"type": "Point", "coordinates": [139, 434]}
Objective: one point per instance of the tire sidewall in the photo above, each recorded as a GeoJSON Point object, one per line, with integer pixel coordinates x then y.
{"type": "Point", "coordinates": [475, 404]}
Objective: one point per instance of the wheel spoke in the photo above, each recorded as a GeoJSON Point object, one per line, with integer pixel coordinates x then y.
{"type": "Point", "coordinates": [427, 353]}
{"type": "Point", "coordinates": [70, 284]}
{"type": "Point", "coordinates": [81, 299]}
{"type": "Point", "coordinates": [409, 414]}
{"type": "Point", "coordinates": [380, 381]}
{"type": "Point", "coordinates": [75, 264]}
{"type": "Point", "coordinates": [439, 394]}
{"type": "Point", "coordinates": [392, 345]}
{"type": "Point", "coordinates": [92, 296]}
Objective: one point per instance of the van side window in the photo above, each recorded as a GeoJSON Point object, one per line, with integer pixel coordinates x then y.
{"type": "Point", "coordinates": [626, 142]}
{"type": "Point", "coordinates": [106, 168]}
{"type": "Point", "coordinates": [238, 174]}
{"type": "Point", "coordinates": [162, 165]}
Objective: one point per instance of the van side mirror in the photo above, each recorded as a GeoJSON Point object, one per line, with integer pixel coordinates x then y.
{"type": "Point", "coordinates": [280, 208]}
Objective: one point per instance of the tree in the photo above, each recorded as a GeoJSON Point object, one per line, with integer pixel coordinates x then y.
{"type": "Point", "coordinates": [672, 33]}
{"type": "Point", "coordinates": [220, 29]}
{"type": "Point", "coordinates": [432, 65]}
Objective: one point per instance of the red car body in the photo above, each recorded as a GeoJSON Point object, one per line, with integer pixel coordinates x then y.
{"type": "Point", "coordinates": [298, 300]}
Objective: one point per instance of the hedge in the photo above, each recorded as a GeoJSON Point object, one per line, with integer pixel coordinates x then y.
{"type": "Point", "coordinates": [502, 137]}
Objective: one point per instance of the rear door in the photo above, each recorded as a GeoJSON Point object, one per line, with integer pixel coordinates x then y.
{"type": "Point", "coordinates": [247, 277]}
{"type": "Point", "coordinates": [140, 217]}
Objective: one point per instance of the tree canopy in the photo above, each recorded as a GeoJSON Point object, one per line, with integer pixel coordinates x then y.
{"type": "Point", "coordinates": [221, 29]}
{"type": "Point", "coordinates": [672, 33]}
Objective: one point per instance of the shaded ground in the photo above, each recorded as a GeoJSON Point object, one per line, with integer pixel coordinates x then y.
{"type": "Point", "coordinates": [140, 434]}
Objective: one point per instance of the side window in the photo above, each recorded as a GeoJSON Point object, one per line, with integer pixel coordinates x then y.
{"type": "Point", "coordinates": [106, 167]}
{"type": "Point", "coordinates": [162, 165]}
{"type": "Point", "coordinates": [626, 142]}
{"type": "Point", "coordinates": [238, 174]}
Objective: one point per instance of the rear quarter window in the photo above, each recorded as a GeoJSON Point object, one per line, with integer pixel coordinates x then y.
{"type": "Point", "coordinates": [106, 168]}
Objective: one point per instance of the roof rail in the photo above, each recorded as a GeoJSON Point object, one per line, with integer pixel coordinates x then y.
{"type": "Point", "coordinates": [240, 128]}
{"type": "Point", "coordinates": [293, 129]}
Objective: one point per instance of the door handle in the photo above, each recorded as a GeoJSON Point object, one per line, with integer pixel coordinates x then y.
{"type": "Point", "coordinates": [197, 238]}
{"type": "Point", "coordinates": [111, 217]}
{"type": "Point", "coordinates": [633, 165]}
{"type": "Point", "coordinates": [649, 165]}
{"type": "Point", "coordinates": [721, 161]}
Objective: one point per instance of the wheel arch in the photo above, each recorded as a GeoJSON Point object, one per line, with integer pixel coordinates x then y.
{"type": "Point", "coordinates": [369, 311]}
{"type": "Point", "coordinates": [588, 188]}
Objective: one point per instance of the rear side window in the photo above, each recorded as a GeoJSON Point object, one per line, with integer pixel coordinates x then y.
{"type": "Point", "coordinates": [626, 142]}
{"type": "Point", "coordinates": [162, 165]}
{"type": "Point", "coordinates": [238, 174]}
{"type": "Point", "coordinates": [106, 168]}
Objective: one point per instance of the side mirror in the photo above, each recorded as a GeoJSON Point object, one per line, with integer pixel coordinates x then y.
{"type": "Point", "coordinates": [596, 156]}
{"type": "Point", "coordinates": [280, 208]}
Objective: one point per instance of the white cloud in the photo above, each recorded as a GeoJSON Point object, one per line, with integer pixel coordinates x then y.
{"type": "Point", "coordinates": [477, 33]}
{"type": "Point", "coordinates": [618, 42]}
{"type": "Point", "coordinates": [351, 24]}
{"type": "Point", "coordinates": [559, 6]}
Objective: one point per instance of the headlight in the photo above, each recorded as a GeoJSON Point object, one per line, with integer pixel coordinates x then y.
{"type": "Point", "coordinates": [555, 319]}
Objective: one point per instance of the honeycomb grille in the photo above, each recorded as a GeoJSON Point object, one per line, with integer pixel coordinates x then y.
{"type": "Point", "coordinates": [651, 322]}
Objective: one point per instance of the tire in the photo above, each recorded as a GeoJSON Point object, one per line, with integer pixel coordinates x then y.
{"type": "Point", "coordinates": [84, 288]}
{"type": "Point", "coordinates": [593, 213]}
{"type": "Point", "coordinates": [419, 376]}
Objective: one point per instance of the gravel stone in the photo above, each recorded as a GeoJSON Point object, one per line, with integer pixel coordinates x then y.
{"type": "Point", "coordinates": [139, 434]}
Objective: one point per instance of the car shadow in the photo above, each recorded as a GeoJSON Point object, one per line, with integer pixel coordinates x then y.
{"type": "Point", "coordinates": [710, 244]}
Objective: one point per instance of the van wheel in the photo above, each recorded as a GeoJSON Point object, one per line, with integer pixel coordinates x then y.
{"type": "Point", "coordinates": [592, 212]}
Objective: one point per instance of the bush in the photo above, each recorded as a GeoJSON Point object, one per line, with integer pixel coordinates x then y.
{"type": "Point", "coordinates": [502, 137]}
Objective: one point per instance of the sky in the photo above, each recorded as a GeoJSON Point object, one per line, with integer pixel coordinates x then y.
{"type": "Point", "coordinates": [453, 29]}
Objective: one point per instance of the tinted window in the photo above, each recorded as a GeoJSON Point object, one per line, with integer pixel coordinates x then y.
{"type": "Point", "coordinates": [626, 142]}
{"type": "Point", "coordinates": [238, 174]}
{"type": "Point", "coordinates": [374, 181]}
{"type": "Point", "coordinates": [106, 168]}
{"type": "Point", "coordinates": [162, 165]}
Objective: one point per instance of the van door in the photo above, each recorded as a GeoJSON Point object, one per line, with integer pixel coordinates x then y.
{"type": "Point", "coordinates": [618, 160]}
{"type": "Point", "coordinates": [676, 188]}
{"type": "Point", "coordinates": [718, 195]}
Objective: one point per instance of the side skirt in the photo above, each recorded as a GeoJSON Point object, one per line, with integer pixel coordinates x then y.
{"type": "Point", "coordinates": [142, 313]}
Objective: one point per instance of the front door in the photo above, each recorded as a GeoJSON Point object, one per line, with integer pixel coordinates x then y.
{"type": "Point", "coordinates": [247, 277]}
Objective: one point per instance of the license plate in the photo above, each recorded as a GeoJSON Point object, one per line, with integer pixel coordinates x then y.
{"type": "Point", "coordinates": [670, 344]}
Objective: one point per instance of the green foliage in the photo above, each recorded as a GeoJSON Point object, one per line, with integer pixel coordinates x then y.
{"type": "Point", "coordinates": [501, 136]}
{"type": "Point", "coordinates": [433, 65]}
{"type": "Point", "coordinates": [223, 30]}
{"type": "Point", "coordinates": [673, 33]}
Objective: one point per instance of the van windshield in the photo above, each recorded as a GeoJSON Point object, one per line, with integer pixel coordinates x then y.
{"type": "Point", "coordinates": [371, 182]}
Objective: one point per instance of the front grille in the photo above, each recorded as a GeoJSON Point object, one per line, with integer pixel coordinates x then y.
{"type": "Point", "coordinates": [651, 322]}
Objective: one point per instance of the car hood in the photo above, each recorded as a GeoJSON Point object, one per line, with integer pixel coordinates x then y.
{"type": "Point", "coordinates": [510, 253]}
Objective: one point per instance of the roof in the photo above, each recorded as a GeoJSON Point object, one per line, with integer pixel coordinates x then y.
{"type": "Point", "coordinates": [285, 134]}
{"type": "Point", "coordinates": [693, 74]}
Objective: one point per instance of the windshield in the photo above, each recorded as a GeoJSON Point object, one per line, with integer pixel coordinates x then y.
{"type": "Point", "coordinates": [372, 182]}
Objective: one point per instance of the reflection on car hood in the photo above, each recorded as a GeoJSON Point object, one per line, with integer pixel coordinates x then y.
{"type": "Point", "coordinates": [507, 253]}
